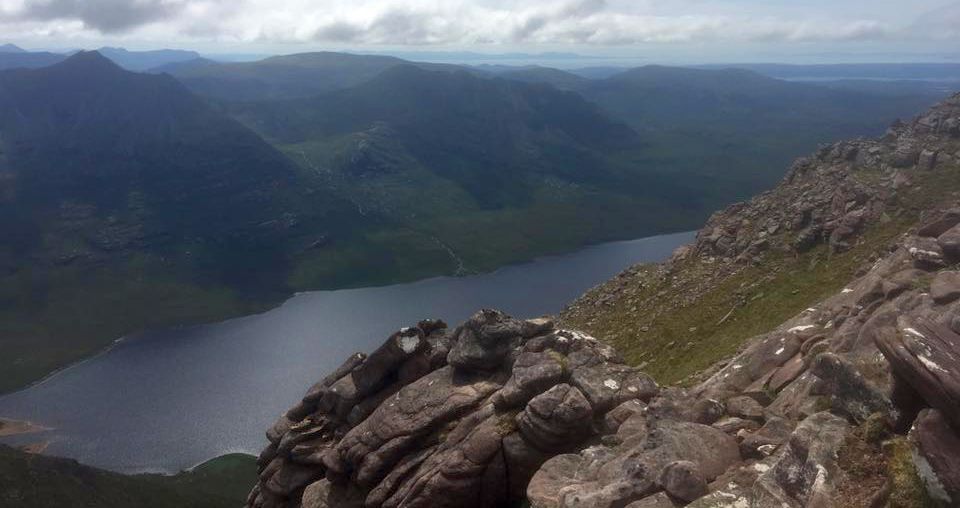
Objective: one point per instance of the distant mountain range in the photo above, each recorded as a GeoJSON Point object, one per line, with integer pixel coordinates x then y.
{"type": "Point", "coordinates": [12, 57]}
{"type": "Point", "coordinates": [124, 196]}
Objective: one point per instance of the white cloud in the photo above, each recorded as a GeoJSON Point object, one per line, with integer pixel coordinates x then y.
{"type": "Point", "coordinates": [466, 23]}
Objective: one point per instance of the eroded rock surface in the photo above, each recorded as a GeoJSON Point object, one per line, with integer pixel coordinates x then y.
{"type": "Point", "coordinates": [438, 417]}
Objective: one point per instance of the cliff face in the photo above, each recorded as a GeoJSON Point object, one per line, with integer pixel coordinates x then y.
{"type": "Point", "coordinates": [848, 396]}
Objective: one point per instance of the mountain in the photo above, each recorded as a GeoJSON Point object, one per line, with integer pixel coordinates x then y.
{"type": "Point", "coordinates": [453, 159]}
{"type": "Point", "coordinates": [125, 193]}
{"type": "Point", "coordinates": [11, 48]}
{"type": "Point", "coordinates": [183, 66]}
{"type": "Point", "coordinates": [559, 79]}
{"type": "Point", "coordinates": [803, 351]}
{"type": "Point", "coordinates": [28, 59]}
{"type": "Point", "coordinates": [739, 127]}
{"type": "Point", "coordinates": [143, 60]}
{"type": "Point", "coordinates": [283, 77]}
{"type": "Point", "coordinates": [881, 71]}
{"type": "Point", "coordinates": [482, 134]}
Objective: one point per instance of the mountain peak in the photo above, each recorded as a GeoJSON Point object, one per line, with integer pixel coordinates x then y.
{"type": "Point", "coordinates": [88, 60]}
{"type": "Point", "coordinates": [11, 48]}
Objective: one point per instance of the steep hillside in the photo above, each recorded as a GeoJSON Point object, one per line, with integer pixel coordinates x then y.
{"type": "Point", "coordinates": [496, 170]}
{"type": "Point", "coordinates": [815, 328]}
{"type": "Point", "coordinates": [123, 197]}
{"type": "Point", "coordinates": [36, 481]}
{"type": "Point", "coordinates": [760, 262]}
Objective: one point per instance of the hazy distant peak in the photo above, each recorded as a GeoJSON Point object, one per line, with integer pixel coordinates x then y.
{"type": "Point", "coordinates": [88, 60]}
{"type": "Point", "coordinates": [11, 48]}
{"type": "Point", "coordinates": [328, 58]}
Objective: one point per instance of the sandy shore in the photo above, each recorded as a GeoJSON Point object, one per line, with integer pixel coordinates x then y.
{"type": "Point", "coordinates": [15, 427]}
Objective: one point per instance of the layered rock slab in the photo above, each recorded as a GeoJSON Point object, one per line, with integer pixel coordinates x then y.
{"type": "Point", "coordinates": [438, 417]}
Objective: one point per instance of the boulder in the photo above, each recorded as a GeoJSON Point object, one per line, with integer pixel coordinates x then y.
{"type": "Point", "coordinates": [605, 477]}
{"type": "Point", "coordinates": [682, 480]}
{"type": "Point", "coordinates": [926, 356]}
{"type": "Point", "coordinates": [941, 224]}
{"type": "Point", "coordinates": [849, 392]}
{"type": "Point", "coordinates": [744, 407]}
{"type": "Point", "coordinates": [773, 433]}
{"type": "Point", "coordinates": [945, 287]}
{"type": "Point", "coordinates": [533, 373]}
{"type": "Point", "coordinates": [938, 456]}
{"type": "Point", "coordinates": [927, 253]}
{"type": "Point", "coordinates": [484, 341]}
{"type": "Point", "coordinates": [707, 411]}
{"type": "Point", "coordinates": [927, 159]}
{"type": "Point", "coordinates": [949, 243]}
{"type": "Point", "coordinates": [806, 473]}
{"type": "Point", "coordinates": [555, 418]}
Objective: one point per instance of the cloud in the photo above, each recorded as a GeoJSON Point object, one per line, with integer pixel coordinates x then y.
{"type": "Point", "coordinates": [105, 16]}
{"type": "Point", "coordinates": [471, 22]}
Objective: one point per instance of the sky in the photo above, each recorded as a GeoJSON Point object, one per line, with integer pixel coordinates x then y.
{"type": "Point", "coordinates": [664, 31]}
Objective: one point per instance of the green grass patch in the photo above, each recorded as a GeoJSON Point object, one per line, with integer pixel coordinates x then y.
{"type": "Point", "coordinates": [677, 327]}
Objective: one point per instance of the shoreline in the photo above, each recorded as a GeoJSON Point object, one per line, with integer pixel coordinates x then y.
{"type": "Point", "coordinates": [273, 305]}
{"type": "Point", "coordinates": [10, 427]}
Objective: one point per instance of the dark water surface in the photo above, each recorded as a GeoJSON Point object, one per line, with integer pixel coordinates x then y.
{"type": "Point", "coordinates": [166, 400]}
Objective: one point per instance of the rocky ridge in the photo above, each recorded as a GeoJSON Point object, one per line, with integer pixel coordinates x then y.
{"type": "Point", "coordinates": [850, 402]}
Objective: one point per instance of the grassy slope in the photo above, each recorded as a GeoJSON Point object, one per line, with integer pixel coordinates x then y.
{"type": "Point", "coordinates": [673, 338]}
{"type": "Point", "coordinates": [37, 481]}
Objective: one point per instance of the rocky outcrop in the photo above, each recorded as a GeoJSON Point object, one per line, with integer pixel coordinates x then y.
{"type": "Point", "coordinates": [499, 410]}
{"type": "Point", "coordinates": [439, 417]}
{"type": "Point", "coordinates": [926, 356]}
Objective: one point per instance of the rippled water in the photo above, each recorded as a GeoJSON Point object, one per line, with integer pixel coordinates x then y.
{"type": "Point", "coordinates": [167, 400]}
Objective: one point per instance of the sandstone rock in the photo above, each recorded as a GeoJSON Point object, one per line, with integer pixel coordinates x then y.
{"type": "Point", "coordinates": [806, 473]}
{"type": "Point", "coordinates": [850, 394]}
{"type": "Point", "coordinates": [926, 253]}
{"type": "Point", "coordinates": [534, 327]}
{"type": "Point", "coordinates": [938, 456]}
{"type": "Point", "coordinates": [323, 494]}
{"type": "Point", "coordinates": [608, 385]}
{"type": "Point", "coordinates": [707, 411]}
{"type": "Point", "coordinates": [658, 500]}
{"type": "Point", "coordinates": [927, 160]}
{"type": "Point", "coordinates": [744, 407]}
{"type": "Point", "coordinates": [555, 418]}
{"type": "Point", "coordinates": [943, 223]}
{"type": "Point", "coordinates": [403, 428]}
{"type": "Point", "coordinates": [774, 432]}
{"type": "Point", "coordinates": [905, 155]}
{"type": "Point", "coordinates": [949, 243]}
{"type": "Point", "coordinates": [532, 374]}
{"type": "Point", "coordinates": [608, 477]}
{"type": "Point", "coordinates": [682, 480]}
{"type": "Point", "coordinates": [787, 372]}
{"type": "Point", "coordinates": [945, 287]}
{"type": "Point", "coordinates": [926, 356]}
{"type": "Point", "coordinates": [732, 425]}
{"type": "Point", "coordinates": [483, 342]}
